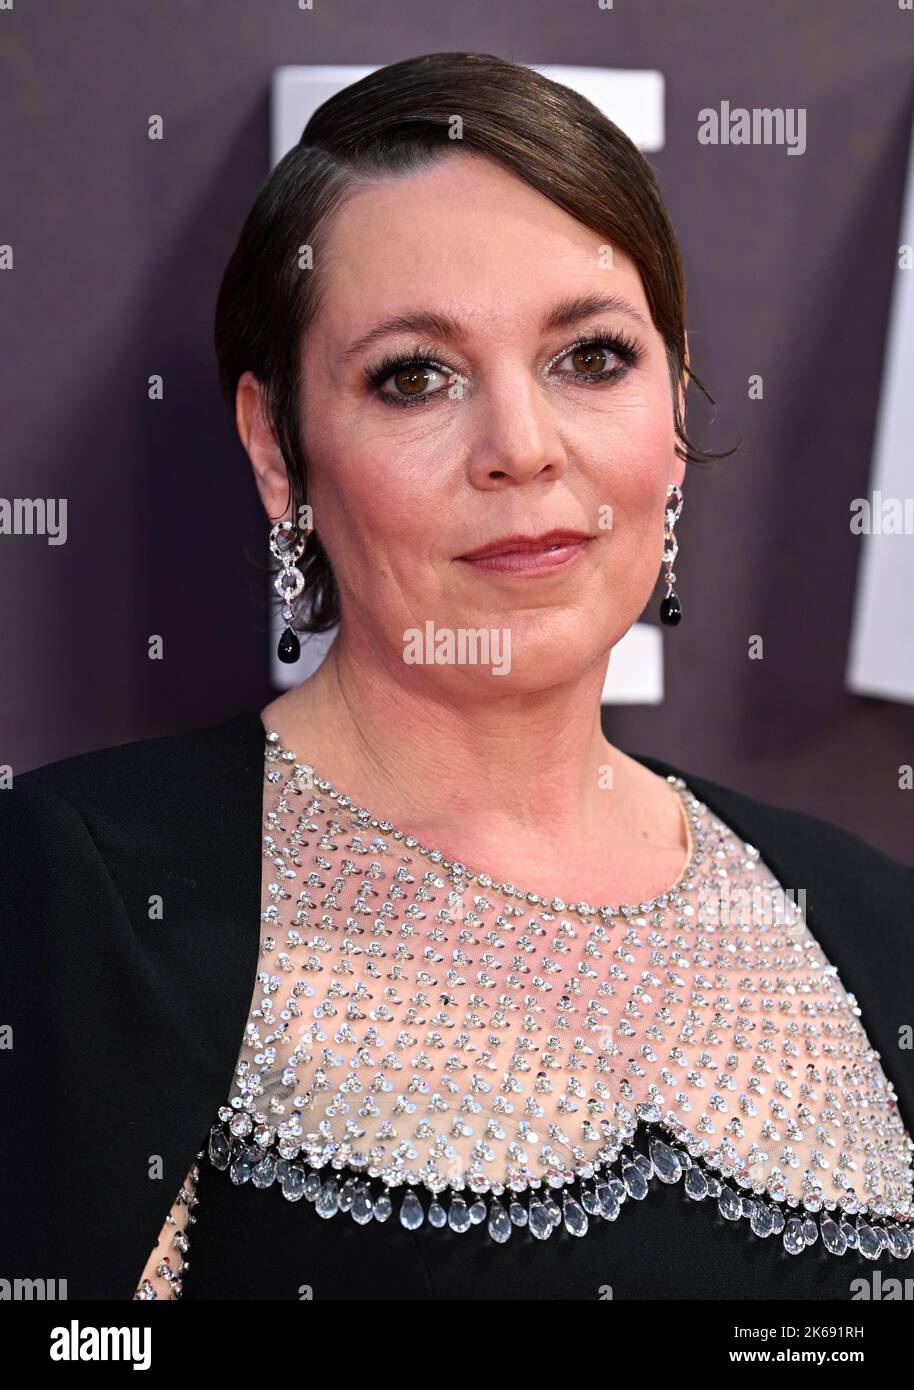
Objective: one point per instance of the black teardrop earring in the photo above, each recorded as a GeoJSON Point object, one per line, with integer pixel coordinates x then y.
{"type": "Point", "coordinates": [288, 583]}
{"type": "Point", "coordinates": [671, 608]}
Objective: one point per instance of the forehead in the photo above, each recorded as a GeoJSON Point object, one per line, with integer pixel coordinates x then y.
{"type": "Point", "coordinates": [465, 235]}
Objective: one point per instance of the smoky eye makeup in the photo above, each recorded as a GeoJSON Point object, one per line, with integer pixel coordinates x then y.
{"type": "Point", "coordinates": [420, 361]}
{"type": "Point", "coordinates": [417, 362]}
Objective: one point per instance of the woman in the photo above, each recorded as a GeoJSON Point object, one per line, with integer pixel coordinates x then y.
{"type": "Point", "coordinates": [509, 977]}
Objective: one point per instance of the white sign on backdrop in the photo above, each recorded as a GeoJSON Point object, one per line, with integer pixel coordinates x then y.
{"type": "Point", "coordinates": [634, 100]}
{"type": "Point", "coordinates": [882, 638]}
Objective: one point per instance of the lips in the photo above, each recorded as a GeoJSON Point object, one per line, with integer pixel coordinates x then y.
{"type": "Point", "coordinates": [518, 545]}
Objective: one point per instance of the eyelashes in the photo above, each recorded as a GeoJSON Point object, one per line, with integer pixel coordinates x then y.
{"type": "Point", "coordinates": [420, 360]}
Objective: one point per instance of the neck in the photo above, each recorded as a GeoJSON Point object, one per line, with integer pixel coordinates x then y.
{"type": "Point", "coordinates": [483, 764]}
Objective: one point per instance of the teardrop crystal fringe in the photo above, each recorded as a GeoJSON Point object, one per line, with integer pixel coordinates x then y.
{"type": "Point", "coordinates": [174, 1278]}
{"type": "Point", "coordinates": [596, 1191]}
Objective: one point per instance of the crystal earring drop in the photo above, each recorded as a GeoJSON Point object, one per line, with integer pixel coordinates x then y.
{"type": "Point", "coordinates": [288, 583]}
{"type": "Point", "coordinates": [671, 608]}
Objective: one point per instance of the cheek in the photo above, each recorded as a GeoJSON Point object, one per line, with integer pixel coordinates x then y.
{"type": "Point", "coordinates": [378, 515]}
{"type": "Point", "coordinates": [632, 482]}
{"type": "Point", "coordinates": [636, 468]}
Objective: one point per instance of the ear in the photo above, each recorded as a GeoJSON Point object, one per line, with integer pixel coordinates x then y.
{"type": "Point", "coordinates": [259, 439]}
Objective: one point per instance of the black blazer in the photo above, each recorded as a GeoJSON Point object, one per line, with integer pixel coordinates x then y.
{"type": "Point", "coordinates": [126, 1027]}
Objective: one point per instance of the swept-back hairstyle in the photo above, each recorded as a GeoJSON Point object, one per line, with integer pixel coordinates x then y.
{"type": "Point", "coordinates": [397, 121]}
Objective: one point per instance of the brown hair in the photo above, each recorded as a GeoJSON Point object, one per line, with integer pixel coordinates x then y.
{"type": "Point", "coordinates": [399, 120]}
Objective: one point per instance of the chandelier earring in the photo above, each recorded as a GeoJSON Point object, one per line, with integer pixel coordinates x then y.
{"type": "Point", "coordinates": [289, 582]}
{"type": "Point", "coordinates": [670, 607]}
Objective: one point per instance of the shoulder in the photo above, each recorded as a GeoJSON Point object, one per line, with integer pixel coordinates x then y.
{"type": "Point", "coordinates": [848, 882]}
{"type": "Point", "coordinates": [144, 766]}
{"type": "Point", "coordinates": [152, 793]}
{"type": "Point", "coordinates": [857, 901]}
{"type": "Point", "coordinates": [129, 915]}
{"type": "Point", "coordinates": [780, 826]}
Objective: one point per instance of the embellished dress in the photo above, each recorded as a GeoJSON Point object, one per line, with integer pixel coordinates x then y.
{"type": "Point", "coordinates": [453, 1087]}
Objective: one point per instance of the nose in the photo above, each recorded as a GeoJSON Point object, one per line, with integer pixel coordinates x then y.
{"type": "Point", "coordinates": [516, 438]}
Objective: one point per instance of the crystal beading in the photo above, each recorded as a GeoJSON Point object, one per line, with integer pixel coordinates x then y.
{"type": "Point", "coordinates": [515, 1062]}
{"type": "Point", "coordinates": [173, 1277]}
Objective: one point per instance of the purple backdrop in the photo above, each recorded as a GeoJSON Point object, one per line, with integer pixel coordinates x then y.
{"type": "Point", "coordinates": [119, 244]}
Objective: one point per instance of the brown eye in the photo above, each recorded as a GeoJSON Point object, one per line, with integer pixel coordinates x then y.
{"type": "Point", "coordinates": [590, 360]}
{"type": "Point", "coordinates": [601, 359]}
{"type": "Point", "coordinates": [411, 380]}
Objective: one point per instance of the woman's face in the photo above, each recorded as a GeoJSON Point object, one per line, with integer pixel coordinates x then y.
{"type": "Point", "coordinates": [512, 431]}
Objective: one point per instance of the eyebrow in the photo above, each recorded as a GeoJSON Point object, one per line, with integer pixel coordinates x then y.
{"type": "Point", "coordinates": [439, 325]}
